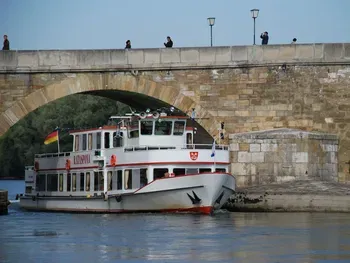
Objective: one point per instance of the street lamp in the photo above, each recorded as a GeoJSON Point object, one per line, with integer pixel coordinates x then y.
{"type": "Point", "coordinates": [255, 13]}
{"type": "Point", "coordinates": [211, 21]}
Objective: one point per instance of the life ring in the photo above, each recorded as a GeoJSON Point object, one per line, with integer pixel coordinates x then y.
{"type": "Point", "coordinates": [113, 160]}
{"type": "Point", "coordinates": [67, 164]}
{"type": "Point", "coordinates": [36, 166]}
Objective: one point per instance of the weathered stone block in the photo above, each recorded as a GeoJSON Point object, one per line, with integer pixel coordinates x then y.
{"type": "Point", "coordinates": [244, 157]}
{"type": "Point", "coordinates": [304, 52]}
{"type": "Point", "coordinates": [244, 147]}
{"type": "Point", "coordinates": [234, 147]}
{"type": "Point", "coordinates": [333, 52]}
{"type": "Point", "coordinates": [268, 147]}
{"type": "Point", "coordinates": [222, 54]}
{"type": "Point", "coordinates": [254, 147]}
{"type": "Point", "coordinates": [240, 168]}
{"type": "Point", "coordinates": [239, 53]}
{"type": "Point", "coordinates": [189, 55]}
{"type": "Point", "coordinates": [135, 56]}
{"type": "Point", "coordinates": [152, 56]}
{"type": "Point", "coordinates": [300, 157]}
{"type": "Point", "coordinates": [170, 55]}
{"type": "Point", "coordinates": [257, 157]}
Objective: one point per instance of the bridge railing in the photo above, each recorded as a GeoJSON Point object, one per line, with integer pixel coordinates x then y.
{"type": "Point", "coordinates": [170, 58]}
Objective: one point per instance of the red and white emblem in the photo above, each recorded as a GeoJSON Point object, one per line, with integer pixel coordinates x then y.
{"type": "Point", "coordinates": [193, 156]}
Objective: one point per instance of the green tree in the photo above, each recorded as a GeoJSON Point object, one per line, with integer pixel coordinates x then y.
{"type": "Point", "coordinates": [26, 138]}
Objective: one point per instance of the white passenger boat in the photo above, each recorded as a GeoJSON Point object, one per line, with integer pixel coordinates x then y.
{"type": "Point", "coordinates": [145, 162]}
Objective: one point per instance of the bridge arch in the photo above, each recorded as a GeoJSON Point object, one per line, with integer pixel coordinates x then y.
{"type": "Point", "coordinates": [136, 91]}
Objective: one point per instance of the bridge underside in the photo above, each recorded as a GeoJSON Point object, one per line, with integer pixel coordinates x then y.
{"type": "Point", "coordinates": [141, 102]}
{"type": "Point", "coordinates": [137, 101]}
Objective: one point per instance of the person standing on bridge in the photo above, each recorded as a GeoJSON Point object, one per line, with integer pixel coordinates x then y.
{"type": "Point", "coordinates": [169, 43]}
{"type": "Point", "coordinates": [6, 43]}
{"type": "Point", "coordinates": [127, 44]}
{"type": "Point", "coordinates": [265, 38]}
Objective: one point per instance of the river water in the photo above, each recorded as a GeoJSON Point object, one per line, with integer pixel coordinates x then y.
{"type": "Point", "coordinates": [224, 237]}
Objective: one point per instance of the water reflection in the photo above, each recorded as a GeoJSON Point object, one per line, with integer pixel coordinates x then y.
{"type": "Point", "coordinates": [225, 237]}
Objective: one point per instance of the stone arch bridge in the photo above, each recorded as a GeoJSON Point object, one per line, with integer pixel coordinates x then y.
{"type": "Point", "coordinates": [250, 88]}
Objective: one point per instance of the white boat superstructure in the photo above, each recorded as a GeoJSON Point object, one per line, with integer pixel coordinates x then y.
{"type": "Point", "coordinates": [145, 162]}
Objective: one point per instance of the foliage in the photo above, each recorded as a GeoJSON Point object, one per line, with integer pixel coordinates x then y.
{"type": "Point", "coordinates": [26, 138]}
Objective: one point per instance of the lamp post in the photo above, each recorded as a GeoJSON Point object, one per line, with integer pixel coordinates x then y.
{"type": "Point", "coordinates": [211, 21]}
{"type": "Point", "coordinates": [255, 13]}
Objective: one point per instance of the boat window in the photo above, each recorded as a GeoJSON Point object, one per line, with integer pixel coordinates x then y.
{"type": "Point", "coordinates": [74, 182]}
{"type": "Point", "coordinates": [98, 140]}
{"type": "Point", "coordinates": [69, 182]}
{"type": "Point", "coordinates": [159, 173]}
{"type": "Point", "coordinates": [117, 139]}
{"type": "Point", "coordinates": [52, 182]}
{"type": "Point", "coordinates": [133, 129]}
{"type": "Point", "coordinates": [163, 127]}
{"type": "Point", "coordinates": [205, 170]}
{"type": "Point", "coordinates": [189, 138]}
{"type": "Point", "coordinates": [76, 147]}
{"type": "Point", "coordinates": [87, 181]}
{"type": "Point", "coordinates": [106, 140]}
{"type": "Point", "coordinates": [98, 181]}
{"type": "Point", "coordinates": [84, 142]}
{"type": "Point", "coordinates": [143, 177]}
{"type": "Point", "coordinates": [134, 134]}
{"type": "Point", "coordinates": [90, 141]}
{"type": "Point", "coordinates": [179, 171]}
{"type": "Point", "coordinates": [221, 170]}
{"type": "Point", "coordinates": [109, 182]}
{"type": "Point", "coordinates": [128, 179]}
{"type": "Point", "coordinates": [40, 183]}
{"type": "Point", "coordinates": [146, 127]}
{"type": "Point", "coordinates": [28, 189]}
{"type": "Point", "coordinates": [82, 183]}
{"type": "Point", "coordinates": [119, 179]}
{"type": "Point", "coordinates": [192, 171]}
{"type": "Point", "coordinates": [179, 127]}
{"type": "Point", "coordinates": [61, 183]}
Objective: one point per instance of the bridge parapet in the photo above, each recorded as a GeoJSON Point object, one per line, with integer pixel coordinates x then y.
{"type": "Point", "coordinates": [172, 58]}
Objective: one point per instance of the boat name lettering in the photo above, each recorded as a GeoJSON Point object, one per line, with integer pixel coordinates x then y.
{"type": "Point", "coordinates": [80, 159]}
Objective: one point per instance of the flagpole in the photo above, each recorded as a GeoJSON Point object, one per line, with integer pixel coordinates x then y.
{"type": "Point", "coordinates": [214, 156]}
{"type": "Point", "coordinates": [213, 152]}
{"type": "Point", "coordinates": [58, 140]}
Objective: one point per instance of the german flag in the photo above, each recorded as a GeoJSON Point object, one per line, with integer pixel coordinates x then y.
{"type": "Point", "coordinates": [52, 137]}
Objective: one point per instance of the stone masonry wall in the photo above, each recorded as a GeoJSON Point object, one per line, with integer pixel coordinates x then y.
{"type": "Point", "coordinates": [283, 155]}
{"type": "Point", "coordinates": [309, 98]}
{"type": "Point", "coordinates": [251, 88]}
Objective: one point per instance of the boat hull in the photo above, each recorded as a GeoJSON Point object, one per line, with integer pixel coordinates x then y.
{"type": "Point", "coordinates": [200, 193]}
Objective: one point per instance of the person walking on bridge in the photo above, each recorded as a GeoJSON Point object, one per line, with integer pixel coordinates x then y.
{"type": "Point", "coordinates": [265, 38]}
{"type": "Point", "coordinates": [127, 44]}
{"type": "Point", "coordinates": [6, 43]}
{"type": "Point", "coordinates": [169, 42]}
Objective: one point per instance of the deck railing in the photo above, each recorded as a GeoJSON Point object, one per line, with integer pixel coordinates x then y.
{"type": "Point", "coordinates": [145, 148]}
{"type": "Point", "coordinates": [181, 147]}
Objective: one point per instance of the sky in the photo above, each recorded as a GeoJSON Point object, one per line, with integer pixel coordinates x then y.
{"type": "Point", "coordinates": [107, 24]}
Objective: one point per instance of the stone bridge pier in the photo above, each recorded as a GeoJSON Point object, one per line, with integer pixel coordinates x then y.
{"type": "Point", "coordinates": [249, 88]}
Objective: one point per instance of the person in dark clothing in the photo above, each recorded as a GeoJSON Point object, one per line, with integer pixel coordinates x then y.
{"type": "Point", "coordinates": [169, 43]}
{"type": "Point", "coordinates": [265, 38]}
{"type": "Point", "coordinates": [127, 44]}
{"type": "Point", "coordinates": [6, 43]}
